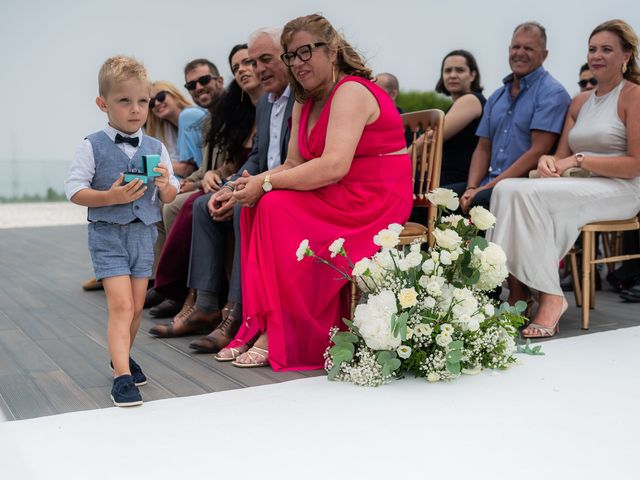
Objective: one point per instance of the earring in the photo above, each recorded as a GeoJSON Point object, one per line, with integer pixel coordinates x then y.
{"type": "Point", "coordinates": [624, 68]}
{"type": "Point", "coordinates": [333, 74]}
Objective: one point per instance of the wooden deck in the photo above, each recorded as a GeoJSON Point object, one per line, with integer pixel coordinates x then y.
{"type": "Point", "coordinates": [53, 349]}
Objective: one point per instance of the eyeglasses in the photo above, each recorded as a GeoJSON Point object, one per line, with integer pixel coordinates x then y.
{"type": "Point", "coordinates": [160, 97]}
{"type": "Point", "coordinates": [592, 81]}
{"type": "Point", "coordinates": [203, 80]}
{"type": "Point", "coordinates": [303, 53]}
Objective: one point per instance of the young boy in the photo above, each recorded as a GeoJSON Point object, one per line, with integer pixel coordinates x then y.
{"type": "Point", "coordinates": [122, 216]}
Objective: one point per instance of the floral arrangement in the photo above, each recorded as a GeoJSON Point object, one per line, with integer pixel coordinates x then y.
{"type": "Point", "coordinates": [425, 312]}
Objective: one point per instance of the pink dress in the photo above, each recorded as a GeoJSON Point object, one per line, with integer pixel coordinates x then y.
{"type": "Point", "coordinates": [297, 303]}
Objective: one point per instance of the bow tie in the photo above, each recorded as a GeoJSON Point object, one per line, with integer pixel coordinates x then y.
{"type": "Point", "coordinates": [133, 141]}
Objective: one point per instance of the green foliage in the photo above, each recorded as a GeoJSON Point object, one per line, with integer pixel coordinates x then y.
{"type": "Point", "coordinates": [50, 196]}
{"type": "Point", "coordinates": [389, 361]}
{"type": "Point", "coordinates": [527, 349]}
{"type": "Point", "coordinates": [454, 356]}
{"type": "Point", "coordinates": [414, 100]}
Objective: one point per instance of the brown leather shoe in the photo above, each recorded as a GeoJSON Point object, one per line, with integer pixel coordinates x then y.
{"type": "Point", "coordinates": [92, 284]}
{"type": "Point", "coordinates": [153, 298]}
{"type": "Point", "coordinates": [165, 309]}
{"type": "Point", "coordinates": [190, 321]}
{"type": "Point", "coordinates": [220, 337]}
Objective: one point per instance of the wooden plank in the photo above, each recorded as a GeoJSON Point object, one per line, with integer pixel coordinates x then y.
{"type": "Point", "coordinates": [23, 398]}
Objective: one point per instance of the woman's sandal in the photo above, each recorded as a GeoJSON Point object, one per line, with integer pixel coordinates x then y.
{"type": "Point", "coordinates": [235, 353]}
{"type": "Point", "coordinates": [259, 358]}
{"type": "Point", "coordinates": [542, 331]}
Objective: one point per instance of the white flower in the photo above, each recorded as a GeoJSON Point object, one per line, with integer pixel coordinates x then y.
{"type": "Point", "coordinates": [409, 333]}
{"type": "Point", "coordinates": [433, 285]}
{"type": "Point", "coordinates": [396, 227]}
{"type": "Point", "coordinates": [423, 330]}
{"type": "Point", "coordinates": [385, 258]}
{"type": "Point", "coordinates": [448, 239]}
{"type": "Point", "coordinates": [494, 255]}
{"type": "Point", "coordinates": [386, 238]}
{"type": "Point", "coordinates": [336, 247]}
{"type": "Point", "coordinates": [415, 247]}
{"type": "Point", "coordinates": [446, 328]}
{"type": "Point", "coordinates": [473, 325]}
{"type": "Point", "coordinates": [435, 256]}
{"type": "Point", "coordinates": [491, 262]}
{"type": "Point", "coordinates": [482, 218]}
{"type": "Point", "coordinates": [454, 220]}
{"type": "Point", "coordinates": [445, 258]}
{"type": "Point", "coordinates": [472, 371]}
{"type": "Point", "coordinates": [443, 339]}
{"type": "Point", "coordinates": [444, 196]}
{"type": "Point", "coordinates": [408, 297]}
{"type": "Point", "coordinates": [413, 259]}
{"type": "Point", "coordinates": [404, 351]}
{"type": "Point", "coordinates": [303, 250]}
{"type": "Point", "coordinates": [373, 320]}
{"type": "Point", "coordinates": [361, 267]}
{"type": "Point", "coordinates": [428, 266]}
{"type": "Point", "coordinates": [489, 310]}
{"type": "Point", "coordinates": [454, 255]}
{"type": "Point", "coordinates": [433, 377]}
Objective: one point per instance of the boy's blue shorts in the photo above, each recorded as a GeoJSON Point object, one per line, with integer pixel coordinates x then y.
{"type": "Point", "coordinates": [122, 249]}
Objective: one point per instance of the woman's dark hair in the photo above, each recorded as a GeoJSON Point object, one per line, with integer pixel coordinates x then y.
{"type": "Point", "coordinates": [476, 86]}
{"type": "Point", "coordinates": [231, 120]}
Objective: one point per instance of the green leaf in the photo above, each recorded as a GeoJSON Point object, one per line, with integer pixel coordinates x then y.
{"type": "Point", "coordinates": [454, 356]}
{"type": "Point", "coordinates": [345, 337]}
{"type": "Point", "coordinates": [520, 306]}
{"type": "Point", "coordinates": [341, 353]}
{"type": "Point", "coordinates": [479, 242]}
{"type": "Point", "coordinates": [453, 368]}
{"type": "Point", "coordinates": [383, 357]}
{"type": "Point", "coordinates": [394, 364]}
{"type": "Point", "coordinates": [385, 370]}
{"type": "Point", "coordinates": [456, 345]}
{"type": "Point", "coordinates": [347, 322]}
{"type": "Point", "coordinates": [465, 259]}
{"type": "Point", "coordinates": [474, 278]}
{"type": "Point", "coordinates": [334, 371]}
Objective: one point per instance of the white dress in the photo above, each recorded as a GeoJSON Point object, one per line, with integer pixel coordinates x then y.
{"type": "Point", "coordinates": [539, 220]}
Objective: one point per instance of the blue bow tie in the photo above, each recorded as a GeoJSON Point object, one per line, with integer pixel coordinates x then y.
{"type": "Point", "coordinates": [133, 141]}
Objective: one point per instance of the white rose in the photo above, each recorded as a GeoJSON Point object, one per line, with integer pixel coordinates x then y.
{"type": "Point", "coordinates": [433, 377]}
{"type": "Point", "coordinates": [435, 256]}
{"type": "Point", "coordinates": [453, 219]}
{"type": "Point", "coordinates": [396, 227]}
{"type": "Point", "coordinates": [445, 258]}
{"type": "Point", "coordinates": [413, 259]}
{"type": "Point", "coordinates": [489, 310]}
{"type": "Point", "coordinates": [454, 255]}
{"type": "Point", "coordinates": [433, 287]}
{"type": "Point", "coordinates": [429, 302]}
{"type": "Point", "coordinates": [428, 266]}
{"type": "Point", "coordinates": [373, 320]}
{"type": "Point", "coordinates": [408, 297]}
{"type": "Point", "coordinates": [336, 247]}
{"type": "Point", "coordinates": [386, 238]}
{"type": "Point", "coordinates": [303, 249]}
{"type": "Point", "coordinates": [444, 196]}
{"type": "Point", "coordinates": [482, 218]}
{"type": "Point", "coordinates": [494, 255]}
{"type": "Point", "coordinates": [443, 339]}
{"type": "Point", "coordinates": [473, 325]}
{"type": "Point", "coordinates": [448, 239]}
{"type": "Point", "coordinates": [403, 351]}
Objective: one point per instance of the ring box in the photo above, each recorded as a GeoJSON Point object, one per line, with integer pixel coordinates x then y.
{"type": "Point", "coordinates": [149, 162]}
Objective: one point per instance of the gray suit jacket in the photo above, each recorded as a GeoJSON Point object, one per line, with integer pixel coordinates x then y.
{"type": "Point", "coordinates": [257, 161]}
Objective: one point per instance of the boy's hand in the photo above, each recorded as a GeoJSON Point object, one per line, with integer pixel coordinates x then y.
{"type": "Point", "coordinates": [163, 180]}
{"type": "Point", "coordinates": [128, 193]}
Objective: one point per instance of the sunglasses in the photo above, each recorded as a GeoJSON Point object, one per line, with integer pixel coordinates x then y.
{"type": "Point", "coordinates": [203, 80]}
{"type": "Point", "coordinates": [592, 81]}
{"type": "Point", "coordinates": [160, 97]}
{"type": "Point", "coordinates": [304, 53]}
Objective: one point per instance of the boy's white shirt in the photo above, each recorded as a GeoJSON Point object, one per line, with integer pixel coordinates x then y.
{"type": "Point", "coordinates": [83, 165]}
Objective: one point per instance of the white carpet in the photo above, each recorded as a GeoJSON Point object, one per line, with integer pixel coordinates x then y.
{"type": "Point", "coordinates": [572, 414]}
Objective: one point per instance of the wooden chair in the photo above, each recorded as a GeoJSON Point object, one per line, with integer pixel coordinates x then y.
{"type": "Point", "coordinates": [426, 160]}
{"type": "Point", "coordinates": [425, 171]}
{"type": "Point", "coordinates": [585, 291]}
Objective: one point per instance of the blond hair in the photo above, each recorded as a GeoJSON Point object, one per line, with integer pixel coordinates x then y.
{"type": "Point", "coordinates": [118, 69]}
{"type": "Point", "coordinates": [348, 61]}
{"type": "Point", "coordinates": [155, 126]}
{"type": "Point", "coordinates": [628, 42]}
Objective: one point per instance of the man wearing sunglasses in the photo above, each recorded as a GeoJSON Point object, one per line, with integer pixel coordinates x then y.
{"type": "Point", "coordinates": [211, 211]}
{"type": "Point", "coordinates": [587, 81]}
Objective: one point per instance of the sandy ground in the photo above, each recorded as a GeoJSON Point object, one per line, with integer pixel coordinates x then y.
{"type": "Point", "coordinates": [21, 215]}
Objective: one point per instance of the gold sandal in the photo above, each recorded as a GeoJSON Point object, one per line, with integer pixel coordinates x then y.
{"type": "Point", "coordinates": [261, 358]}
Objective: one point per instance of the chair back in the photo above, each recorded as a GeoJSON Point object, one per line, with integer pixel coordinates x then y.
{"type": "Point", "coordinates": [426, 158]}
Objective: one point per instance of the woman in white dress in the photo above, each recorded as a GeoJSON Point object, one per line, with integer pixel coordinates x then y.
{"type": "Point", "coordinates": [538, 220]}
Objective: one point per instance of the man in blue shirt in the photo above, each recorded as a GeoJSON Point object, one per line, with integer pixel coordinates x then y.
{"type": "Point", "coordinates": [522, 120]}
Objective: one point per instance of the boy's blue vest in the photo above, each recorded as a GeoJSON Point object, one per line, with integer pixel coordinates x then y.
{"type": "Point", "coordinates": [110, 162]}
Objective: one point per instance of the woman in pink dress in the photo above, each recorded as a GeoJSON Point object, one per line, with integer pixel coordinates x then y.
{"type": "Point", "coordinates": [347, 174]}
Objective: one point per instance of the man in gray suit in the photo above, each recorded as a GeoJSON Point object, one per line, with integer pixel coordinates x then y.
{"type": "Point", "coordinates": [212, 212]}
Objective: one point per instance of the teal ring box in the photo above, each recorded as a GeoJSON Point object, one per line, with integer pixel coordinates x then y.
{"type": "Point", "coordinates": [149, 162]}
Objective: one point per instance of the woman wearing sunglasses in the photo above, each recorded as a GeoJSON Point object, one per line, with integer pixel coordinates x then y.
{"type": "Point", "coordinates": [347, 174]}
{"type": "Point", "coordinates": [228, 139]}
{"type": "Point", "coordinates": [169, 112]}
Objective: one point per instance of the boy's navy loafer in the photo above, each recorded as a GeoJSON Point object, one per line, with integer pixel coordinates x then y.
{"type": "Point", "coordinates": [124, 392]}
{"type": "Point", "coordinates": [139, 378]}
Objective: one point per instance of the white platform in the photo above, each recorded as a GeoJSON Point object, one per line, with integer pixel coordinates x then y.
{"type": "Point", "coordinates": [572, 414]}
{"type": "Point", "coordinates": [41, 214]}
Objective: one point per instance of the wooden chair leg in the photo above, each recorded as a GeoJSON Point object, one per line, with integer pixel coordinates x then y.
{"type": "Point", "coordinates": [586, 271]}
{"type": "Point", "coordinates": [575, 278]}
{"type": "Point", "coordinates": [592, 273]}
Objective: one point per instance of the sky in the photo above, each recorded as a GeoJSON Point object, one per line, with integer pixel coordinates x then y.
{"type": "Point", "coordinates": [50, 52]}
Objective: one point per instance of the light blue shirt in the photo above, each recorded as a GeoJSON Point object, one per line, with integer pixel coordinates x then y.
{"type": "Point", "coordinates": [190, 134]}
{"type": "Point", "coordinates": [507, 122]}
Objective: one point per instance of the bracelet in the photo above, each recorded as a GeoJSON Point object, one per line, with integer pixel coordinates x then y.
{"type": "Point", "coordinates": [230, 186]}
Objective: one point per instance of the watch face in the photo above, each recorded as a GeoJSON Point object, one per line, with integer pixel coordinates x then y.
{"type": "Point", "coordinates": [267, 187]}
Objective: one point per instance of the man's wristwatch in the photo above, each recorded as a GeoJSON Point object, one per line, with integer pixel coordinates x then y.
{"type": "Point", "coordinates": [579, 159]}
{"type": "Point", "coordinates": [266, 184]}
